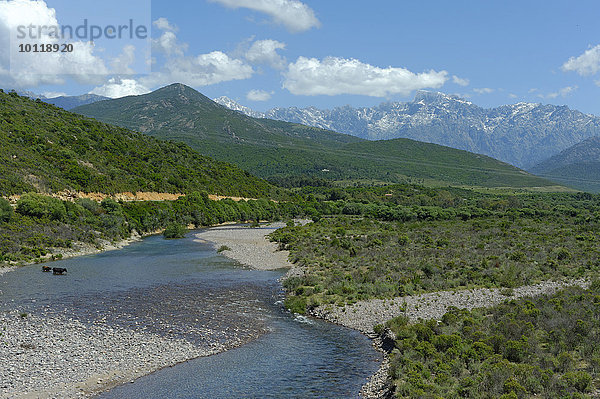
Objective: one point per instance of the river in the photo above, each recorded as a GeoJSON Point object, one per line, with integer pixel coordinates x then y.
{"type": "Point", "coordinates": [182, 288]}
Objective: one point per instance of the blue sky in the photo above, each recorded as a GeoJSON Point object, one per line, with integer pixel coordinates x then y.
{"type": "Point", "coordinates": [267, 53]}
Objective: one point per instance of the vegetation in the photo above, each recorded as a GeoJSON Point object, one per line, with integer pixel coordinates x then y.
{"type": "Point", "coordinates": [537, 347]}
{"type": "Point", "coordinates": [46, 149]}
{"type": "Point", "coordinates": [174, 230]}
{"type": "Point", "coordinates": [42, 224]}
{"type": "Point", "coordinates": [577, 166]}
{"type": "Point", "coordinates": [291, 153]}
{"type": "Point", "coordinates": [382, 248]}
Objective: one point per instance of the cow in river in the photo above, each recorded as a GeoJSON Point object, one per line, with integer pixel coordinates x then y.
{"type": "Point", "coordinates": [59, 270]}
{"type": "Point", "coordinates": [46, 268]}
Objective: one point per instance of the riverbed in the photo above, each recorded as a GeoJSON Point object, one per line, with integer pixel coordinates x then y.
{"type": "Point", "coordinates": [182, 292]}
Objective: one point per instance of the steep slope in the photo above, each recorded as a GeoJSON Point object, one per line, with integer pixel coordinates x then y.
{"type": "Point", "coordinates": [47, 149]}
{"type": "Point", "coordinates": [522, 134]}
{"type": "Point", "coordinates": [270, 148]}
{"type": "Point", "coordinates": [577, 166]}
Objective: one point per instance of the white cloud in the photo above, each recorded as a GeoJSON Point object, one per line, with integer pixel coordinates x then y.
{"type": "Point", "coordinates": [33, 69]}
{"type": "Point", "coordinates": [121, 64]}
{"type": "Point", "coordinates": [168, 45]}
{"type": "Point", "coordinates": [265, 52]}
{"type": "Point", "coordinates": [116, 87]}
{"type": "Point", "coordinates": [201, 70]}
{"type": "Point", "coordinates": [512, 95]}
{"type": "Point", "coordinates": [53, 94]}
{"type": "Point", "coordinates": [586, 64]}
{"type": "Point", "coordinates": [293, 14]}
{"type": "Point", "coordinates": [167, 42]}
{"type": "Point", "coordinates": [333, 76]}
{"type": "Point", "coordinates": [460, 81]}
{"type": "Point", "coordinates": [565, 91]}
{"type": "Point", "coordinates": [532, 90]}
{"type": "Point", "coordinates": [163, 24]}
{"type": "Point", "coordinates": [483, 90]}
{"type": "Point", "coordinates": [258, 95]}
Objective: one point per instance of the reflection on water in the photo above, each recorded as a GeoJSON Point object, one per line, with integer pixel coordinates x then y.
{"type": "Point", "coordinates": [184, 289]}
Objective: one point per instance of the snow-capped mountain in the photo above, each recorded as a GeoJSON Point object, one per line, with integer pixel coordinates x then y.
{"type": "Point", "coordinates": [522, 134]}
{"type": "Point", "coordinates": [231, 104]}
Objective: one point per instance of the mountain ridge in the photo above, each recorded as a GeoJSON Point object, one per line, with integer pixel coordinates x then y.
{"type": "Point", "coordinates": [279, 150]}
{"type": "Point", "coordinates": [522, 134]}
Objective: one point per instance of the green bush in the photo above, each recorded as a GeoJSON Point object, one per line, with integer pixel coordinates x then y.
{"type": "Point", "coordinates": [6, 211]}
{"type": "Point", "coordinates": [174, 230]}
{"type": "Point", "coordinates": [41, 206]}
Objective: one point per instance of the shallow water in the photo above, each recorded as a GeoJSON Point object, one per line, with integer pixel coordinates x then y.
{"type": "Point", "coordinates": [183, 288]}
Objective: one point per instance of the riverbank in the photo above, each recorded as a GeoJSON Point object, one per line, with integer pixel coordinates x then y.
{"type": "Point", "coordinates": [77, 248]}
{"type": "Point", "coordinates": [50, 357]}
{"type": "Point", "coordinates": [364, 315]}
{"type": "Point", "coordinates": [248, 245]}
{"type": "Point", "coordinates": [251, 247]}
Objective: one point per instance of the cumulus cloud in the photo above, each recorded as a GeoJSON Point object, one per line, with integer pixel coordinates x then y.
{"type": "Point", "coordinates": [460, 81]}
{"type": "Point", "coordinates": [258, 95]}
{"type": "Point", "coordinates": [122, 63]}
{"type": "Point", "coordinates": [201, 70]}
{"type": "Point", "coordinates": [167, 42]}
{"type": "Point", "coordinates": [163, 24]}
{"type": "Point", "coordinates": [565, 91]}
{"type": "Point", "coordinates": [333, 76]}
{"type": "Point", "coordinates": [33, 69]}
{"type": "Point", "coordinates": [265, 52]}
{"type": "Point", "coordinates": [483, 90]}
{"type": "Point", "coordinates": [293, 14]}
{"type": "Point", "coordinates": [586, 64]}
{"type": "Point", "coordinates": [116, 87]}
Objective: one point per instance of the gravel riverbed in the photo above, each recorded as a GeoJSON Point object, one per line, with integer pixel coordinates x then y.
{"type": "Point", "coordinates": [54, 357]}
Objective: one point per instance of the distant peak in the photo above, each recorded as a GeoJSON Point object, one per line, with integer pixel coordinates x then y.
{"type": "Point", "coordinates": [436, 97]}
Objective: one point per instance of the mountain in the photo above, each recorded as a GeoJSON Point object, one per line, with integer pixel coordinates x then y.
{"type": "Point", "coordinates": [276, 149]}
{"type": "Point", "coordinates": [65, 102]}
{"type": "Point", "coordinates": [522, 134]}
{"type": "Point", "coordinates": [47, 149]}
{"type": "Point", "coordinates": [70, 102]}
{"type": "Point", "coordinates": [577, 166]}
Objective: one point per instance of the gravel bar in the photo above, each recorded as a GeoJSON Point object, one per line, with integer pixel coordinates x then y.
{"type": "Point", "coordinates": [52, 357]}
{"type": "Point", "coordinates": [248, 245]}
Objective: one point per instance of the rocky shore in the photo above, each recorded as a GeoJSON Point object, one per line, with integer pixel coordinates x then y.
{"type": "Point", "coordinates": [54, 357]}
{"type": "Point", "coordinates": [248, 245]}
{"type": "Point", "coordinates": [364, 315]}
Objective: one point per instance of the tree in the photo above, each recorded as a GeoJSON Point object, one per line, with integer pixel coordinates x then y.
{"type": "Point", "coordinates": [41, 206]}
{"type": "Point", "coordinates": [6, 211]}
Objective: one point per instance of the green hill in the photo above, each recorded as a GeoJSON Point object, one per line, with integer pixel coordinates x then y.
{"type": "Point", "coordinates": [275, 149]}
{"type": "Point", "coordinates": [577, 166]}
{"type": "Point", "coordinates": [46, 149]}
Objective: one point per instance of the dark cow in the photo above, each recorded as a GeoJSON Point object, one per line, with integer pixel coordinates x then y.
{"type": "Point", "coordinates": [59, 270]}
{"type": "Point", "coordinates": [46, 268]}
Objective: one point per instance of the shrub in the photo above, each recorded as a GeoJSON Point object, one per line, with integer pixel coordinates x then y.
{"type": "Point", "coordinates": [174, 230]}
{"type": "Point", "coordinates": [6, 211]}
{"type": "Point", "coordinates": [41, 206]}
{"type": "Point", "coordinates": [223, 248]}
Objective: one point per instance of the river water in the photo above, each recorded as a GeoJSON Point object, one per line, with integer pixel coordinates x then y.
{"type": "Point", "coordinates": [184, 289]}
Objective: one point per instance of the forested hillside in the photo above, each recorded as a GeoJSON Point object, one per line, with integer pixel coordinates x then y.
{"type": "Point", "coordinates": [281, 150]}
{"type": "Point", "coordinates": [46, 149]}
